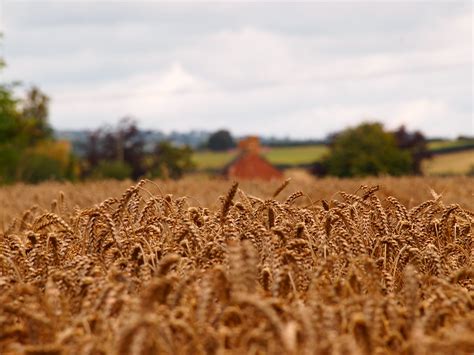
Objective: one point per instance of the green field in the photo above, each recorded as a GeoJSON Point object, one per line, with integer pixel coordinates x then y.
{"type": "Point", "coordinates": [208, 160]}
{"type": "Point", "coordinates": [443, 144]}
{"type": "Point", "coordinates": [299, 155]}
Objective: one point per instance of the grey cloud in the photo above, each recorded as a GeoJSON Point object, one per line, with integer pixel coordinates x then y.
{"type": "Point", "coordinates": [298, 18]}
{"type": "Point", "coordinates": [262, 65]}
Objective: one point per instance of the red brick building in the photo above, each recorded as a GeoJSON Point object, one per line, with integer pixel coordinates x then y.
{"type": "Point", "coordinates": [250, 165]}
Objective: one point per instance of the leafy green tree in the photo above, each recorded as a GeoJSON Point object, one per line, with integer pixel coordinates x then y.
{"type": "Point", "coordinates": [34, 116]}
{"type": "Point", "coordinates": [171, 162]}
{"type": "Point", "coordinates": [9, 123]}
{"type": "Point", "coordinates": [366, 150]}
{"type": "Point", "coordinates": [220, 141]}
{"type": "Point", "coordinates": [416, 144]}
{"type": "Point", "coordinates": [23, 128]}
{"type": "Point", "coordinates": [9, 160]}
{"type": "Point", "coordinates": [10, 129]}
{"type": "Point", "coordinates": [35, 168]}
{"type": "Point", "coordinates": [23, 122]}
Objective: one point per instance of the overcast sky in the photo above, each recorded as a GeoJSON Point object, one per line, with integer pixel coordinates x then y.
{"type": "Point", "coordinates": [284, 69]}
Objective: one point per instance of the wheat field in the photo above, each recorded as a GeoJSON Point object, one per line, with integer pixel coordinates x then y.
{"type": "Point", "coordinates": [202, 266]}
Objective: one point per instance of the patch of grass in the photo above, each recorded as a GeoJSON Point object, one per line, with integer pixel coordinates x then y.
{"type": "Point", "coordinates": [456, 163]}
{"type": "Point", "coordinates": [299, 155]}
{"type": "Point", "coordinates": [205, 160]}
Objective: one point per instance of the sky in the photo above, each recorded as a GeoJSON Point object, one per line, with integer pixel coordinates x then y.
{"type": "Point", "coordinates": [300, 70]}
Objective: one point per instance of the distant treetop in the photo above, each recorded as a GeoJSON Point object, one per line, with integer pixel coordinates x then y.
{"type": "Point", "coordinates": [366, 150]}
{"type": "Point", "coordinates": [220, 141]}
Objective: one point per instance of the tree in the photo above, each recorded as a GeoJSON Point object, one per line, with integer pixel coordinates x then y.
{"type": "Point", "coordinates": [35, 168]}
{"type": "Point", "coordinates": [220, 141]}
{"type": "Point", "coordinates": [23, 129]}
{"type": "Point", "coordinates": [120, 152]}
{"type": "Point", "coordinates": [19, 132]}
{"type": "Point", "coordinates": [9, 132]}
{"type": "Point", "coordinates": [34, 116]}
{"type": "Point", "coordinates": [416, 144]}
{"type": "Point", "coordinates": [9, 124]}
{"type": "Point", "coordinates": [117, 170]}
{"type": "Point", "coordinates": [123, 143]}
{"type": "Point", "coordinates": [366, 150]}
{"type": "Point", "coordinates": [171, 161]}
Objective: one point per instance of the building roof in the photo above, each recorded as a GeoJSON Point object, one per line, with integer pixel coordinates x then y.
{"type": "Point", "coordinates": [249, 166]}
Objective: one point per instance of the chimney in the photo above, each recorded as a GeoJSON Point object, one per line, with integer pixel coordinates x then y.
{"type": "Point", "coordinates": [250, 144]}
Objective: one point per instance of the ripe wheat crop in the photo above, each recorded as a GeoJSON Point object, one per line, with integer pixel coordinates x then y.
{"type": "Point", "coordinates": [261, 269]}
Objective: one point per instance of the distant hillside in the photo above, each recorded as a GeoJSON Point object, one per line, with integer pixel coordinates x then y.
{"type": "Point", "coordinates": [444, 146]}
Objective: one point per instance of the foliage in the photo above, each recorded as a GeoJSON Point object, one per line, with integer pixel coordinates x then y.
{"type": "Point", "coordinates": [117, 170]}
{"type": "Point", "coordinates": [34, 116]}
{"type": "Point", "coordinates": [9, 160]}
{"type": "Point", "coordinates": [220, 141]}
{"type": "Point", "coordinates": [35, 168]}
{"type": "Point", "coordinates": [366, 150]}
{"type": "Point", "coordinates": [171, 162]}
{"type": "Point", "coordinates": [24, 128]}
{"type": "Point", "coordinates": [125, 143]}
{"type": "Point", "coordinates": [24, 131]}
{"type": "Point", "coordinates": [46, 160]}
{"type": "Point", "coordinates": [416, 144]}
{"type": "Point", "coordinates": [9, 115]}
{"type": "Point", "coordinates": [122, 143]}
{"type": "Point", "coordinates": [23, 122]}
